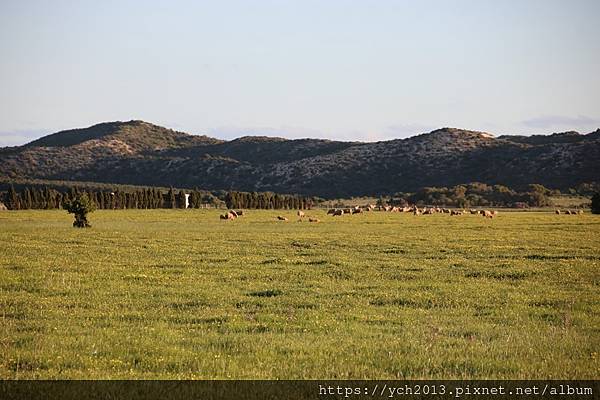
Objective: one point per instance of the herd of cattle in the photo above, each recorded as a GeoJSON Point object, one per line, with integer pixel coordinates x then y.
{"type": "Point", "coordinates": [233, 214]}
{"type": "Point", "coordinates": [410, 209]}
{"type": "Point", "coordinates": [568, 212]}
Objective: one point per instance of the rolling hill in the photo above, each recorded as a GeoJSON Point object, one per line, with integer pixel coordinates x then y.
{"type": "Point", "coordinates": [137, 152]}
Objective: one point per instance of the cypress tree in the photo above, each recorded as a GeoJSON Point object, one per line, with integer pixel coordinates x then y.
{"type": "Point", "coordinates": [171, 197]}
{"type": "Point", "coordinates": [101, 200]}
{"type": "Point", "coordinates": [596, 203]}
{"type": "Point", "coordinates": [27, 202]}
{"type": "Point", "coordinates": [14, 202]}
{"type": "Point", "coordinates": [160, 200]}
{"type": "Point", "coordinates": [181, 199]}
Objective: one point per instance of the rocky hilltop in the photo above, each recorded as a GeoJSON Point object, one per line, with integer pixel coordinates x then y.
{"type": "Point", "coordinates": [137, 152]}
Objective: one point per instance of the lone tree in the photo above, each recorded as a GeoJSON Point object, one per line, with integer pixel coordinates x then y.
{"type": "Point", "coordinates": [80, 205]}
{"type": "Point", "coordinates": [596, 203]}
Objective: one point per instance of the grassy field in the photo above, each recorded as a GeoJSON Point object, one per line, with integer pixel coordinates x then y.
{"type": "Point", "coordinates": [181, 294]}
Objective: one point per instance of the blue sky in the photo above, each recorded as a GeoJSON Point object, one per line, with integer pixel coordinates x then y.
{"type": "Point", "coordinates": [350, 70]}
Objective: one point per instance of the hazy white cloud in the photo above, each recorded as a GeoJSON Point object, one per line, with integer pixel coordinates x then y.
{"type": "Point", "coordinates": [390, 132]}
{"type": "Point", "coordinates": [553, 121]}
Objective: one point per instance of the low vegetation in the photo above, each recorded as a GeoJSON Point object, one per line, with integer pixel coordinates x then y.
{"type": "Point", "coordinates": [183, 294]}
{"type": "Point", "coordinates": [479, 195]}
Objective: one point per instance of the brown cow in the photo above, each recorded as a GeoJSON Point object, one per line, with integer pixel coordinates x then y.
{"type": "Point", "coordinates": [488, 214]}
{"type": "Point", "coordinates": [228, 216]}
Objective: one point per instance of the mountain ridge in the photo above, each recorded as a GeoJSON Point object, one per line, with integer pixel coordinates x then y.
{"type": "Point", "coordinates": [138, 152]}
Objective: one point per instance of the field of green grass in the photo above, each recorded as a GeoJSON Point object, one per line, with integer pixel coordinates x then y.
{"type": "Point", "coordinates": [181, 294]}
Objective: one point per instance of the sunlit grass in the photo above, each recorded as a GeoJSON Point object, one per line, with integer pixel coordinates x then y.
{"type": "Point", "coordinates": [182, 294]}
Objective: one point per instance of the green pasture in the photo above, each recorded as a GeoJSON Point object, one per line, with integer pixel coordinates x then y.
{"type": "Point", "coordinates": [181, 294]}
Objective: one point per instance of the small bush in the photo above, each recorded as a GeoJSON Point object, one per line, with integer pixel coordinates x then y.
{"type": "Point", "coordinates": [80, 206]}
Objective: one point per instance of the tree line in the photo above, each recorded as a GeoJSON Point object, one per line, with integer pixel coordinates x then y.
{"type": "Point", "coordinates": [475, 194]}
{"type": "Point", "coordinates": [267, 200]}
{"type": "Point", "coordinates": [46, 198]}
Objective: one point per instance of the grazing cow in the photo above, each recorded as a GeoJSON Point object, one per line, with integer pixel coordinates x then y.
{"type": "Point", "coordinates": [301, 214]}
{"type": "Point", "coordinates": [235, 214]}
{"type": "Point", "coordinates": [314, 220]}
{"type": "Point", "coordinates": [455, 212]}
{"type": "Point", "coordinates": [338, 212]}
{"type": "Point", "coordinates": [445, 211]}
{"type": "Point", "coordinates": [357, 211]}
{"type": "Point", "coordinates": [387, 208]}
{"type": "Point", "coordinates": [473, 211]}
{"type": "Point", "coordinates": [488, 214]}
{"type": "Point", "coordinates": [281, 218]}
{"type": "Point", "coordinates": [228, 216]}
{"type": "Point", "coordinates": [331, 211]}
{"type": "Point", "coordinates": [347, 211]}
{"type": "Point", "coordinates": [239, 213]}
